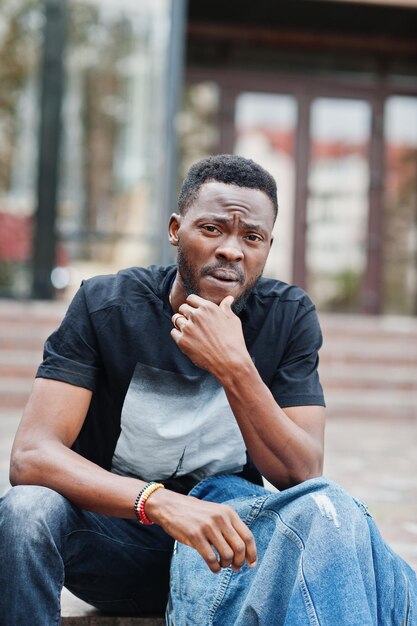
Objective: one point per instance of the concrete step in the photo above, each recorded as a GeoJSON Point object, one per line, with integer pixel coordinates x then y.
{"type": "Point", "coordinates": [396, 353]}
{"type": "Point", "coordinates": [368, 325]}
{"type": "Point", "coordinates": [24, 338]}
{"type": "Point", "coordinates": [366, 403]}
{"type": "Point", "coordinates": [360, 376]}
{"type": "Point", "coordinates": [75, 612]}
{"type": "Point", "coordinates": [19, 363]}
{"type": "Point", "coordinates": [32, 309]}
{"type": "Point", "coordinates": [99, 619]}
{"type": "Point", "coordinates": [15, 386]}
{"type": "Point", "coordinates": [15, 358]}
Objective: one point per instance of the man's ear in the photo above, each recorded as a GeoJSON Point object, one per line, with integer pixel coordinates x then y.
{"type": "Point", "coordinates": [173, 229]}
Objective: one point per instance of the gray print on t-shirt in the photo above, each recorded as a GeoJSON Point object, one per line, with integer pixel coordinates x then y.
{"type": "Point", "coordinates": [174, 424]}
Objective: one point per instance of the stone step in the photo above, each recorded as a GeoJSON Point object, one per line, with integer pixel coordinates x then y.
{"type": "Point", "coordinates": [26, 325]}
{"type": "Point", "coordinates": [15, 386]}
{"type": "Point", "coordinates": [75, 612]}
{"type": "Point", "coordinates": [94, 618]}
{"type": "Point", "coordinates": [367, 397]}
{"type": "Point", "coordinates": [15, 358]}
{"type": "Point", "coordinates": [29, 318]}
{"type": "Point", "coordinates": [368, 325]}
{"type": "Point", "coordinates": [13, 402]}
{"type": "Point", "coordinates": [32, 309]}
{"type": "Point", "coordinates": [391, 414]}
{"type": "Point", "coordinates": [24, 339]}
{"type": "Point", "coordinates": [14, 392]}
{"type": "Point", "coordinates": [19, 364]}
{"type": "Point", "coordinates": [384, 403]}
{"type": "Point", "coordinates": [396, 352]}
{"type": "Point", "coordinates": [376, 376]}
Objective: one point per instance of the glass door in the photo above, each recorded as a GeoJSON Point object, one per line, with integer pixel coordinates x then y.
{"type": "Point", "coordinates": [337, 202]}
{"type": "Point", "coordinates": [345, 162]}
{"type": "Point", "coordinates": [400, 210]}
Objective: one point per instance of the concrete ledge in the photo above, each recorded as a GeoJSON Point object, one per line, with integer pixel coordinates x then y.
{"type": "Point", "coordinates": [106, 620]}
{"type": "Point", "coordinates": [75, 612]}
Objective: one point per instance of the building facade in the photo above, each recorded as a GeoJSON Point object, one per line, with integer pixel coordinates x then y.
{"type": "Point", "coordinates": [322, 93]}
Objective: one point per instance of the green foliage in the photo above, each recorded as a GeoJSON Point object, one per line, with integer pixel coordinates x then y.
{"type": "Point", "coordinates": [21, 22]}
{"type": "Point", "coordinates": [348, 284]}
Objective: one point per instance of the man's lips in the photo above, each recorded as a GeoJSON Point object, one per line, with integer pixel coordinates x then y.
{"type": "Point", "coordinates": [225, 275]}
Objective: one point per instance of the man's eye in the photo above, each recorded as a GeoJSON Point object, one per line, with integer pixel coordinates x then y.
{"type": "Point", "coordinates": [210, 228]}
{"type": "Point", "coordinates": [253, 237]}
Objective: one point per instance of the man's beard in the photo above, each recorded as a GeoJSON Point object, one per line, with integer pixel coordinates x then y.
{"type": "Point", "coordinates": [189, 276]}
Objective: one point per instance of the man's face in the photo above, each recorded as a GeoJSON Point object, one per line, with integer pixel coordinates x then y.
{"type": "Point", "coordinates": [223, 242]}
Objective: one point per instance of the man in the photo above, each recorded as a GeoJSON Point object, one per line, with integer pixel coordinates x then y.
{"type": "Point", "coordinates": [199, 377]}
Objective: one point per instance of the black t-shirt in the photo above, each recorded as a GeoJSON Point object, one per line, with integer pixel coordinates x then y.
{"type": "Point", "coordinates": [154, 414]}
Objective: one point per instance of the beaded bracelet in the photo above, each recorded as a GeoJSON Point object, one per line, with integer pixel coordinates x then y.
{"type": "Point", "coordinates": [136, 505]}
{"type": "Point", "coordinates": [143, 495]}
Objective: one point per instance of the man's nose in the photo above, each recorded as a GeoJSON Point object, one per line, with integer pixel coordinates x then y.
{"type": "Point", "coordinates": [229, 250]}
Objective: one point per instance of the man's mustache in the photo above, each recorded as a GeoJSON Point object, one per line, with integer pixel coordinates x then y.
{"type": "Point", "coordinates": [221, 265]}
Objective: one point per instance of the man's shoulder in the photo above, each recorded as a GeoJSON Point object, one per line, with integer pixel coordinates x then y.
{"type": "Point", "coordinates": [277, 293]}
{"type": "Point", "coordinates": [128, 287]}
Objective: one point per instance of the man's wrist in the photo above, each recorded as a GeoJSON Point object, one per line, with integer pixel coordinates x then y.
{"type": "Point", "coordinates": [141, 499]}
{"type": "Point", "coordinates": [158, 504]}
{"type": "Point", "coordinates": [237, 371]}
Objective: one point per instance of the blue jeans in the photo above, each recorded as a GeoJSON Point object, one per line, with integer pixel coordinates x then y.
{"type": "Point", "coordinates": [321, 562]}
{"type": "Point", "coordinates": [116, 565]}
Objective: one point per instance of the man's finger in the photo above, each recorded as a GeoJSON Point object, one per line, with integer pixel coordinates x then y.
{"type": "Point", "coordinates": [176, 335]}
{"type": "Point", "coordinates": [186, 310]}
{"type": "Point", "coordinates": [234, 542]}
{"type": "Point", "coordinates": [179, 320]}
{"type": "Point", "coordinates": [195, 300]}
{"type": "Point", "coordinates": [249, 541]}
{"type": "Point", "coordinates": [238, 547]}
{"type": "Point", "coordinates": [242, 550]}
{"type": "Point", "coordinates": [224, 548]}
{"type": "Point", "coordinates": [210, 557]}
{"type": "Point", "coordinates": [226, 304]}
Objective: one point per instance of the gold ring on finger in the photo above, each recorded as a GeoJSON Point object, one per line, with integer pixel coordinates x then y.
{"type": "Point", "coordinates": [175, 319]}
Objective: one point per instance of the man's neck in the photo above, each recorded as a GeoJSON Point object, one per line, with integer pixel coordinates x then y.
{"type": "Point", "coordinates": [177, 294]}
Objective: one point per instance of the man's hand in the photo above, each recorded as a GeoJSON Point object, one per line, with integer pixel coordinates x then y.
{"type": "Point", "coordinates": [208, 527]}
{"type": "Point", "coordinates": [209, 334]}
{"type": "Point", "coordinates": [286, 445]}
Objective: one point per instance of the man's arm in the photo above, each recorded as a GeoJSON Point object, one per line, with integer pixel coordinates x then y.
{"type": "Point", "coordinates": [286, 445]}
{"type": "Point", "coordinates": [41, 455]}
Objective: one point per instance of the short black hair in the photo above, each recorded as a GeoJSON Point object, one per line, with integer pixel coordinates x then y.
{"type": "Point", "coordinates": [229, 169]}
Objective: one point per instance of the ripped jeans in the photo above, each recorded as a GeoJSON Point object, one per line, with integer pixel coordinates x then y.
{"type": "Point", "coordinates": [322, 562]}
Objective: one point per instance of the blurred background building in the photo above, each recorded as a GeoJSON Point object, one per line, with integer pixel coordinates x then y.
{"type": "Point", "coordinates": [104, 106]}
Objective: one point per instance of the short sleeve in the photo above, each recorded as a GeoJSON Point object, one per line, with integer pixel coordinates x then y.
{"type": "Point", "coordinates": [296, 381]}
{"type": "Point", "coordinates": [71, 353]}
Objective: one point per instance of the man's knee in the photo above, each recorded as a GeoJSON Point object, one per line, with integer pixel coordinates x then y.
{"type": "Point", "coordinates": [321, 506]}
{"type": "Point", "coordinates": [331, 497]}
{"type": "Point", "coordinates": [26, 509]}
